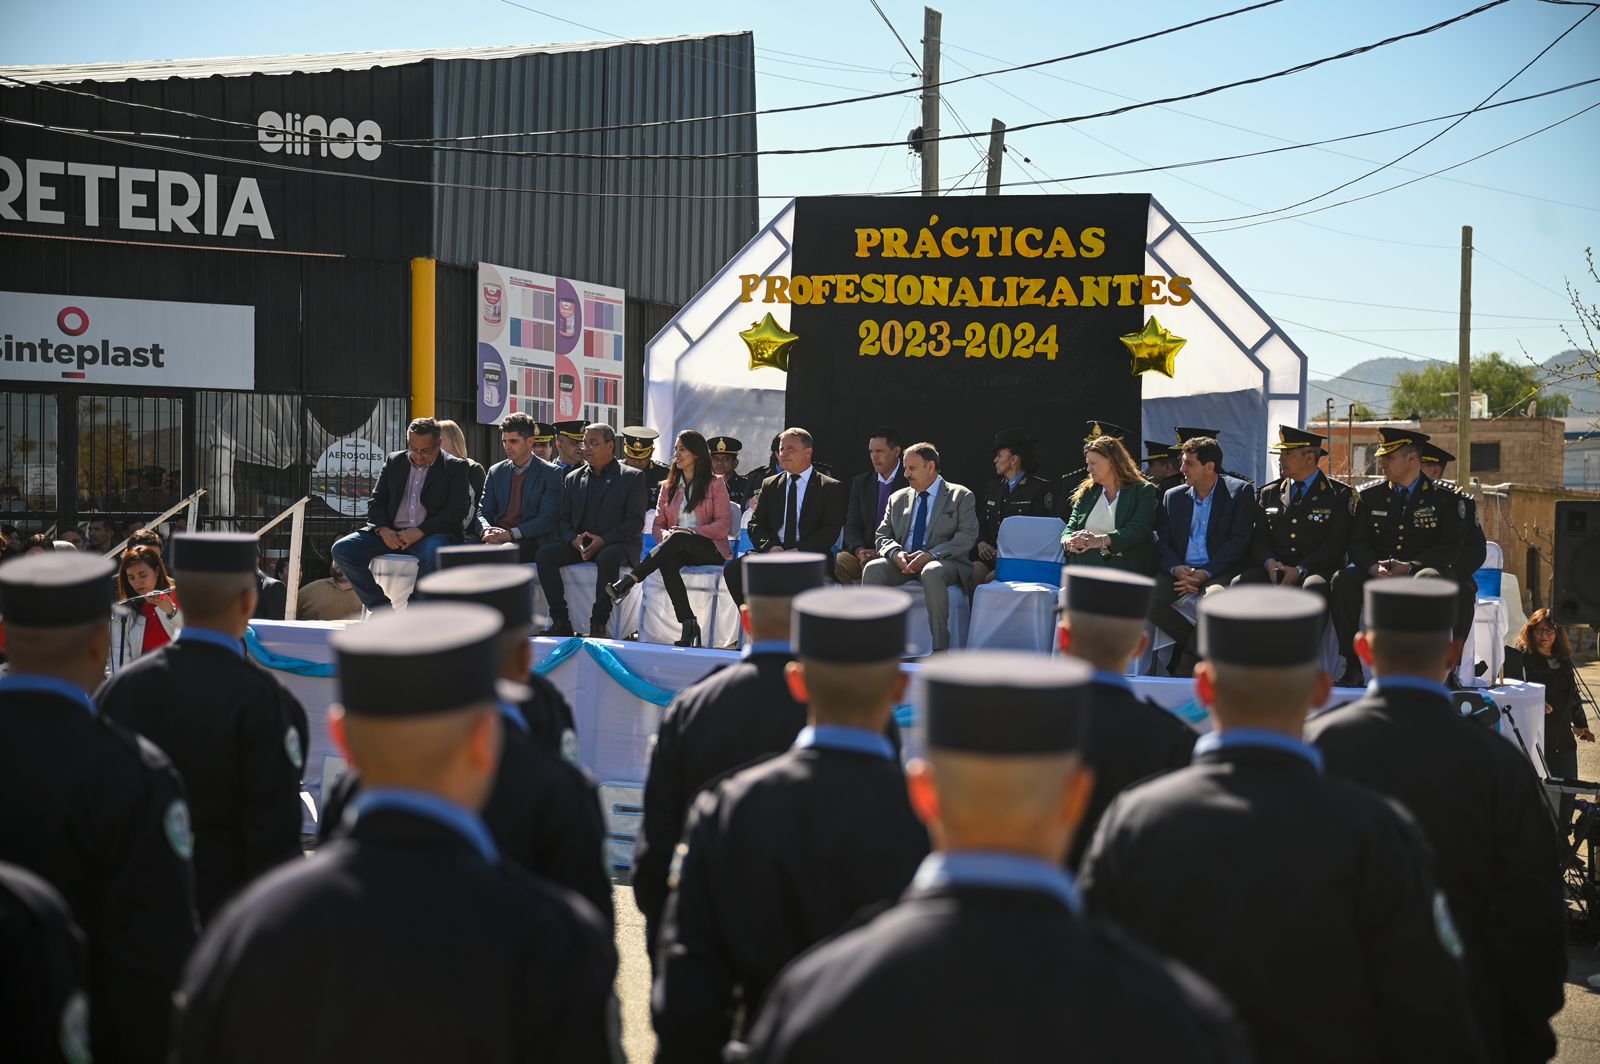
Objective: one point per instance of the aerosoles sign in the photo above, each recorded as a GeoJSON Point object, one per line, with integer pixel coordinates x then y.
{"type": "Point", "coordinates": [138, 342]}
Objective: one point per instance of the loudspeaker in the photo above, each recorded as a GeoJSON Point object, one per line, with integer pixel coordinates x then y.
{"type": "Point", "coordinates": [1576, 595]}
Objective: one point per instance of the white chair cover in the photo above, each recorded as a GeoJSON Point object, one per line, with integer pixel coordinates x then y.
{"type": "Point", "coordinates": [581, 582]}
{"type": "Point", "coordinates": [1020, 614]}
{"type": "Point", "coordinates": [919, 638]}
{"type": "Point", "coordinates": [713, 607]}
{"type": "Point", "coordinates": [396, 574]}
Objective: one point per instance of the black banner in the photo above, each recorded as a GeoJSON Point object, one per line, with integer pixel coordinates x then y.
{"type": "Point", "coordinates": [953, 318]}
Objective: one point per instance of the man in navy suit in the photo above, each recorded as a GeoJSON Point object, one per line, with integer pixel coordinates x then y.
{"type": "Point", "coordinates": [418, 505]}
{"type": "Point", "coordinates": [869, 497]}
{"type": "Point", "coordinates": [600, 519]}
{"type": "Point", "coordinates": [1203, 536]}
{"type": "Point", "coordinates": [521, 494]}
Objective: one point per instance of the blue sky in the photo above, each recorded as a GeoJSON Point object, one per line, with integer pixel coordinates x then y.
{"type": "Point", "coordinates": [1534, 206]}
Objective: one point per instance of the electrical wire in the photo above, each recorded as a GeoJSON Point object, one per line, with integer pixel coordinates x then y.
{"type": "Point", "coordinates": [1390, 306]}
{"type": "Point", "coordinates": [1406, 155]}
{"type": "Point", "coordinates": [830, 148]}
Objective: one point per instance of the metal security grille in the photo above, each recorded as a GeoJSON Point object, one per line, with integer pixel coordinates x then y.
{"type": "Point", "coordinates": [29, 461]}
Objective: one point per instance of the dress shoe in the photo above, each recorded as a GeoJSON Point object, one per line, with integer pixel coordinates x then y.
{"type": "Point", "coordinates": [619, 590]}
{"type": "Point", "coordinates": [559, 629]}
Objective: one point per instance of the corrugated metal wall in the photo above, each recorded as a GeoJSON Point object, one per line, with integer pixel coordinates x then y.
{"type": "Point", "coordinates": [659, 250]}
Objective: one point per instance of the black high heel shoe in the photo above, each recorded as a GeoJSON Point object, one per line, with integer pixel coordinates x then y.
{"type": "Point", "coordinates": [619, 590]}
{"type": "Point", "coordinates": [691, 635]}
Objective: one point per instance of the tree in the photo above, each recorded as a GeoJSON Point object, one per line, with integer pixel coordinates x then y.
{"type": "Point", "coordinates": [1362, 412]}
{"type": "Point", "coordinates": [1431, 392]}
{"type": "Point", "coordinates": [1585, 363]}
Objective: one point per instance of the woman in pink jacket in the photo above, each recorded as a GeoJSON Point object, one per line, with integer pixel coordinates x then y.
{"type": "Point", "coordinates": [693, 518]}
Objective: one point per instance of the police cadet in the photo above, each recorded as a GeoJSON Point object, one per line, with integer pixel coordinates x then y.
{"type": "Point", "coordinates": [1310, 902]}
{"type": "Point", "coordinates": [1474, 544]}
{"type": "Point", "coordinates": [783, 854]}
{"type": "Point", "coordinates": [724, 722]}
{"type": "Point", "coordinates": [1479, 805]}
{"type": "Point", "coordinates": [543, 813]}
{"type": "Point", "coordinates": [1304, 524]}
{"type": "Point", "coordinates": [94, 810]}
{"type": "Point", "coordinates": [544, 441]}
{"type": "Point", "coordinates": [988, 956]}
{"type": "Point", "coordinates": [1405, 525]}
{"type": "Point", "coordinates": [1016, 491]}
{"type": "Point", "coordinates": [1161, 462]}
{"type": "Point", "coordinates": [1103, 616]}
{"type": "Point", "coordinates": [638, 451]}
{"type": "Point", "coordinates": [1093, 430]}
{"type": "Point", "coordinates": [233, 730]}
{"type": "Point", "coordinates": [569, 445]}
{"type": "Point", "coordinates": [44, 1005]}
{"type": "Point", "coordinates": [433, 946]}
{"type": "Point", "coordinates": [546, 710]}
{"type": "Point", "coordinates": [725, 464]}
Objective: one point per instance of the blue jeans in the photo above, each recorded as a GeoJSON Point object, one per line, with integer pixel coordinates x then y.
{"type": "Point", "coordinates": [355, 552]}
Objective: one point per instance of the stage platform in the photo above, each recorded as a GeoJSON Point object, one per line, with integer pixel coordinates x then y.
{"type": "Point", "coordinates": [619, 690]}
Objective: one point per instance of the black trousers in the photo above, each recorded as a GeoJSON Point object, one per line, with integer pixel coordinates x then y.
{"type": "Point", "coordinates": [674, 552]}
{"type": "Point", "coordinates": [1165, 616]}
{"type": "Point", "coordinates": [1257, 574]}
{"type": "Point", "coordinates": [1346, 601]}
{"type": "Point", "coordinates": [553, 556]}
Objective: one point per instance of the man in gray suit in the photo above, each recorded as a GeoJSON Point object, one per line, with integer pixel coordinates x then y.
{"type": "Point", "coordinates": [927, 533]}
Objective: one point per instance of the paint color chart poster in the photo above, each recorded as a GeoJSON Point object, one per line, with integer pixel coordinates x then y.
{"type": "Point", "coordinates": [549, 347]}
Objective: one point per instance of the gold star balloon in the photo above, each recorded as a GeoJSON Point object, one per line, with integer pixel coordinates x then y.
{"type": "Point", "coordinates": [769, 344]}
{"type": "Point", "coordinates": [1154, 348]}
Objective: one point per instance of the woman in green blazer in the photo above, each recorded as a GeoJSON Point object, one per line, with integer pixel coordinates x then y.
{"type": "Point", "coordinates": [1113, 512]}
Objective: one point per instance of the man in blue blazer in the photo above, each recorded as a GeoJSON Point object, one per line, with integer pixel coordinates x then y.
{"type": "Point", "coordinates": [600, 519]}
{"type": "Point", "coordinates": [418, 505]}
{"type": "Point", "coordinates": [521, 494]}
{"type": "Point", "coordinates": [1203, 539]}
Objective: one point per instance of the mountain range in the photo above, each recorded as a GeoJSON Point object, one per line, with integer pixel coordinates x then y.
{"type": "Point", "coordinates": [1370, 382]}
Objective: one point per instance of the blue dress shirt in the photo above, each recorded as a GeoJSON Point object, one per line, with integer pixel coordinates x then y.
{"type": "Point", "coordinates": [842, 737]}
{"type": "Point", "coordinates": [1235, 738]}
{"type": "Point", "coordinates": [440, 810]}
{"type": "Point", "coordinates": [1198, 555]}
{"type": "Point", "coordinates": [191, 634]}
{"type": "Point", "coordinates": [30, 684]}
{"type": "Point", "coordinates": [1008, 871]}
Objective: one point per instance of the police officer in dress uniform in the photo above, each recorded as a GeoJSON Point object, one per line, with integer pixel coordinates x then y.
{"type": "Point", "coordinates": [1304, 525]}
{"type": "Point", "coordinates": [1103, 614]}
{"type": "Point", "coordinates": [725, 464]}
{"type": "Point", "coordinates": [1313, 906]}
{"type": "Point", "coordinates": [724, 722]}
{"type": "Point", "coordinates": [987, 956]}
{"type": "Point", "coordinates": [544, 441]}
{"type": "Point", "coordinates": [1474, 544]}
{"type": "Point", "coordinates": [234, 732]}
{"type": "Point", "coordinates": [1405, 525]}
{"type": "Point", "coordinates": [783, 854]}
{"type": "Point", "coordinates": [546, 710]}
{"type": "Point", "coordinates": [543, 813]}
{"type": "Point", "coordinates": [437, 948]}
{"type": "Point", "coordinates": [1161, 462]}
{"type": "Point", "coordinates": [1479, 804]}
{"type": "Point", "coordinates": [638, 451]}
{"type": "Point", "coordinates": [94, 810]}
{"type": "Point", "coordinates": [44, 1004]}
{"type": "Point", "coordinates": [569, 445]}
{"type": "Point", "coordinates": [1016, 491]}
{"type": "Point", "coordinates": [1093, 430]}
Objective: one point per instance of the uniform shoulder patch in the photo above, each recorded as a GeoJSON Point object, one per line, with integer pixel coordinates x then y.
{"type": "Point", "coordinates": [1445, 926]}
{"type": "Point", "coordinates": [675, 869]}
{"type": "Point", "coordinates": [179, 829]}
{"type": "Point", "coordinates": [74, 1030]}
{"type": "Point", "coordinates": [1049, 502]}
{"type": "Point", "coordinates": [569, 748]}
{"type": "Point", "coordinates": [291, 746]}
{"type": "Point", "coordinates": [1461, 509]}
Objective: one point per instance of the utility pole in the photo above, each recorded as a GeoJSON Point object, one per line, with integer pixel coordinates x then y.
{"type": "Point", "coordinates": [931, 23]}
{"type": "Point", "coordinates": [1350, 444]}
{"type": "Point", "coordinates": [997, 150]}
{"type": "Point", "coordinates": [1464, 355]}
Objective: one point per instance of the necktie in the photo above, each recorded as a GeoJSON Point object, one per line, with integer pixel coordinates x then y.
{"type": "Point", "coordinates": [1299, 490]}
{"type": "Point", "coordinates": [791, 513]}
{"type": "Point", "coordinates": [919, 523]}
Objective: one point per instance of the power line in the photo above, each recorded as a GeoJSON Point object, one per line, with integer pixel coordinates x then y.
{"type": "Point", "coordinates": [1406, 155]}
{"type": "Point", "coordinates": [1403, 184]}
{"type": "Point", "coordinates": [830, 148]}
{"type": "Point", "coordinates": [1484, 254]}
{"type": "Point", "coordinates": [1390, 306]}
{"type": "Point", "coordinates": [906, 48]}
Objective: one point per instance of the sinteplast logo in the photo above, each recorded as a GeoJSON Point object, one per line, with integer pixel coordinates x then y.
{"type": "Point", "coordinates": [74, 322]}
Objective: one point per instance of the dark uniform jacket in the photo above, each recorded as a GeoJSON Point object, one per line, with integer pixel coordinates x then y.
{"type": "Point", "coordinates": [229, 727]}
{"type": "Point", "coordinates": [44, 1007]}
{"type": "Point", "coordinates": [99, 813]}
{"type": "Point", "coordinates": [780, 856]}
{"type": "Point", "coordinates": [542, 813]}
{"type": "Point", "coordinates": [861, 515]}
{"type": "Point", "coordinates": [1312, 534]}
{"type": "Point", "coordinates": [1310, 903]}
{"type": "Point", "coordinates": [1474, 543]}
{"type": "Point", "coordinates": [965, 974]}
{"type": "Point", "coordinates": [739, 489]}
{"type": "Point", "coordinates": [654, 476]}
{"type": "Point", "coordinates": [446, 495]}
{"type": "Point", "coordinates": [1130, 739]}
{"type": "Point", "coordinates": [720, 724]}
{"type": "Point", "coordinates": [1033, 497]}
{"type": "Point", "coordinates": [1425, 529]}
{"type": "Point", "coordinates": [430, 953]}
{"type": "Point", "coordinates": [549, 718]}
{"type": "Point", "coordinates": [821, 517]}
{"type": "Point", "coordinates": [1481, 809]}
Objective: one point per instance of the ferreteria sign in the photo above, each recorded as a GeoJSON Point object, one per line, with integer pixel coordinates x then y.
{"type": "Point", "coordinates": [956, 317]}
{"type": "Point", "coordinates": [138, 342]}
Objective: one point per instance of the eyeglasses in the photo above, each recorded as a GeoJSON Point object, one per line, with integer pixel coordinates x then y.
{"type": "Point", "coordinates": [1544, 627]}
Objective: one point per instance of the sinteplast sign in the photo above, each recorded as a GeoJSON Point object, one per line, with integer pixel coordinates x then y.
{"type": "Point", "coordinates": [141, 342]}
